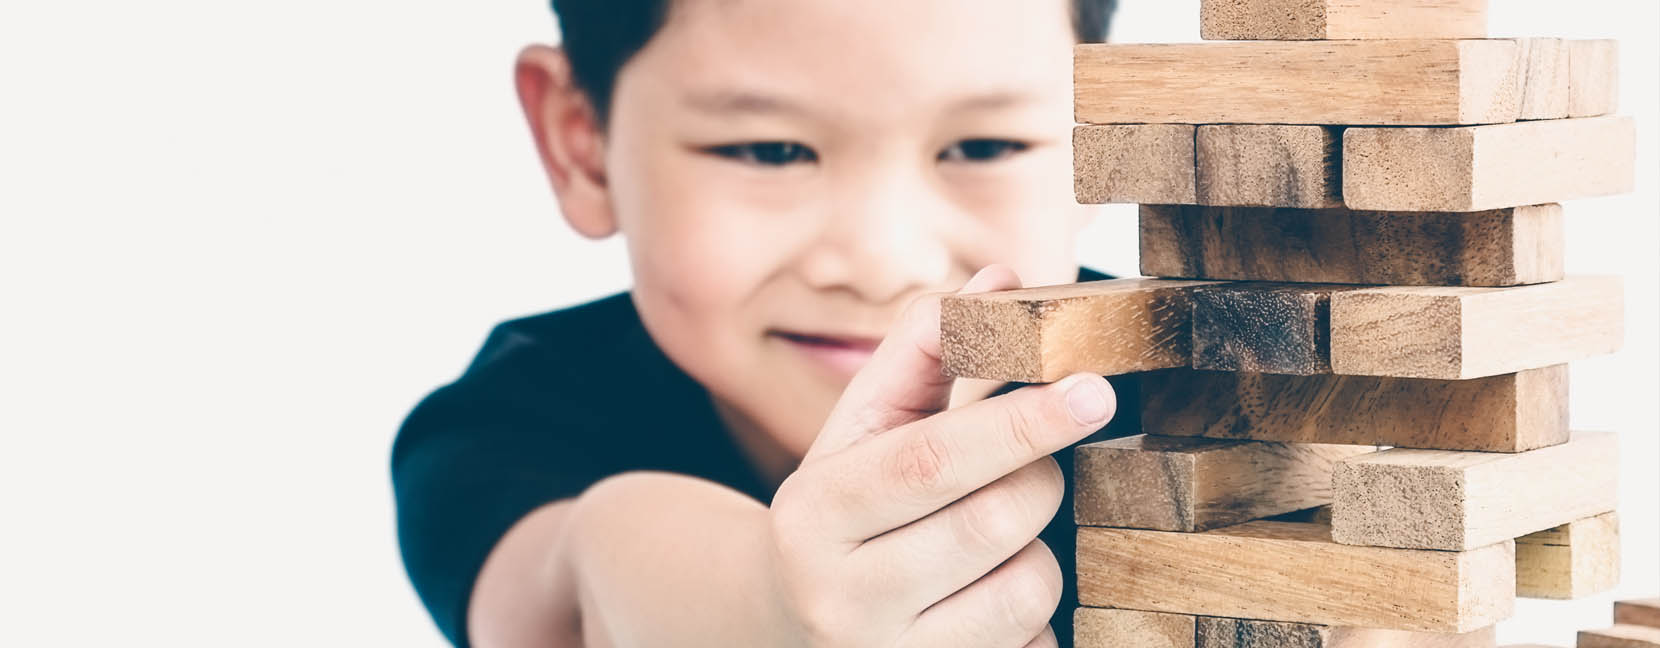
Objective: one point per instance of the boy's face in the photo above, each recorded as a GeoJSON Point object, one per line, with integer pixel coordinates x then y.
{"type": "Point", "coordinates": [788, 175]}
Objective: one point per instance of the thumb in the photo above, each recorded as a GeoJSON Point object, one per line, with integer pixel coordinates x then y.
{"type": "Point", "coordinates": [903, 382]}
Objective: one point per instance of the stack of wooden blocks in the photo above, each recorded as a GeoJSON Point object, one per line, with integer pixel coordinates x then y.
{"type": "Point", "coordinates": [1356, 411]}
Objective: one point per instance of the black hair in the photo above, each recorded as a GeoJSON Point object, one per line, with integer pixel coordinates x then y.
{"type": "Point", "coordinates": [602, 35]}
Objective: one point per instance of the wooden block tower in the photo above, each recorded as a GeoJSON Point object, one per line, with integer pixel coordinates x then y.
{"type": "Point", "coordinates": [1356, 337]}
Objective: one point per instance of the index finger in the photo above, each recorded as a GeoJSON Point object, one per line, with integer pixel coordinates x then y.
{"type": "Point", "coordinates": [909, 472]}
{"type": "Point", "coordinates": [903, 382]}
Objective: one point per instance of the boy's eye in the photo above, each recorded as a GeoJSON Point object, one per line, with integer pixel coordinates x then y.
{"type": "Point", "coordinates": [980, 150]}
{"type": "Point", "coordinates": [766, 153]}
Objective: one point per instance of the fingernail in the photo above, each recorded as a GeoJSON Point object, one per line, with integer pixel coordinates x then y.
{"type": "Point", "coordinates": [1090, 400]}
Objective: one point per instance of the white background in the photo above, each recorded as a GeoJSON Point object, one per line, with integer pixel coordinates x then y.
{"type": "Point", "coordinates": [239, 240]}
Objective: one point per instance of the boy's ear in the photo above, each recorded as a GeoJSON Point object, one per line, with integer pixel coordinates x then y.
{"type": "Point", "coordinates": [568, 136]}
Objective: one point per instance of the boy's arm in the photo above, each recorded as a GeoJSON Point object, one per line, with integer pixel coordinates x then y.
{"type": "Point", "coordinates": [524, 585]}
{"type": "Point", "coordinates": [907, 524]}
{"type": "Point", "coordinates": [635, 554]}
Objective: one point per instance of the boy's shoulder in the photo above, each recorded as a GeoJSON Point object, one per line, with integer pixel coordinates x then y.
{"type": "Point", "coordinates": [563, 366]}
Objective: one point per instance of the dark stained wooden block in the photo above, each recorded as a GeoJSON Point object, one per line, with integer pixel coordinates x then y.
{"type": "Point", "coordinates": [1263, 327]}
{"type": "Point", "coordinates": [1507, 413]}
{"type": "Point", "coordinates": [1195, 484]}
{"type": "Point", "coordinates": [1502, 247]}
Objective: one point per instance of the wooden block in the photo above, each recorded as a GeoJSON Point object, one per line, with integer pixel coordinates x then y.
{"type": "Point", "coordinates": [1043, 334]}
{"type": "Point", "coordinates": [1254, 327]}
{"type": "Point", "coordinates": [1133, 163]}
{"type": "Point", "coordinates": [1379, 82]}
{"type": "Point", "coordinates": [1105, 628]}
{"type": "Point", "coordinates": [1487, 167]}
{"type": "Point", "coordinates": [1213, 632]}
{"type": "Point", "coordinates": [1456, 333]}
{"type": "Point", "coordinates": [1268, 165]}
{"type": "Point", "coordinates": [1317, 515]}
{"type": "Point", "coordinates": [1449, 500]}
{"type": "Point", "coordinates": [1341, 19]}
{"type": "Point", "coordinates": [1508, 413]}
{"type": "Point", "coordinates": [1593, 77]}
{"type": "Point", "coordinates": [1546, 90]}
{"type": "Point", "coordinates": [1570, 561]}
{"type": "Point", "coordinates": [1503, 247]}
{"type": "Point", "coordinates": [1642, 612]}
{"type": "Point", "coordinates": [1191, 484]}
{"type": "Point", "coordinates": [1289, 571]}
{"type": "Point", "coordinates": [1620, 636]}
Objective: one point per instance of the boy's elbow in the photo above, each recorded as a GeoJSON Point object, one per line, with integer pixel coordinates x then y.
{"type": "Point", "coordinates": [525, 594]}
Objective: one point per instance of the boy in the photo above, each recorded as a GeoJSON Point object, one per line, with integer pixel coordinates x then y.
{"type": "Point", "coordinates": [725, 455]}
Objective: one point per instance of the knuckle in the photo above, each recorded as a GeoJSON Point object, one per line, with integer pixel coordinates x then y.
{"type": "Point", "coordinates": [922, 464]}
{"type": "Point", "coordinates": [1051, 484]}
{"type": "Point", "coordinates": [1018, 427]}
{"type": "Point", "coordinates": [990, 520]}
{"type": "Point", "coordinates": [821, 620]}
{"type": "Point", "coordinates": [1032, 594]}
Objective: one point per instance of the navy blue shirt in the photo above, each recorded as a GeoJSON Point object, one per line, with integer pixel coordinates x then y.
{"type": "Point", "coordinates": [537, 417]}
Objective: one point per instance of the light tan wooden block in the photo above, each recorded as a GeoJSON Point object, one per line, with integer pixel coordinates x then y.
{"type": "Point", "coordinates": [1341, 19]}
{"type": "Point", "coordinates": [1547, 89]}
{"type": "Point", "coordinates": [1642, 612]}
{"type": "Point", "coordinates": [1106, 628]}
{"type": "Point", "coordinates": [1043, 334]}
{"type": "Point", "coordinates": [1268, 165]}
{"type": "Point", "coordinates": [1455, 333]}
{"type": "Point", "coordinates": [1570, 561]}
{"type": "Point", "coordinates": [1380, 82]}
{"type": "Point", "coordinates": [1133, 163]}
{"type": "Point", "coordinates": [1289, 571]}
{"type": "Point", "coordinates": [1620, 636]}
{"type": "Point", "coordinates": [1449, 500]}
{"type": "Point", "coordinates": [1594, 77]}
{"type": "Point", "coordinates": [1214, 632]}
{"type": "Point", "coordinates": [1194, 484]}
{"type": "Point", "coordinates": [1487, 167]}
{"type": "Point", "coordinates": [1503, 247]}
{"type": "Point", "coordinates": [1507, 413]}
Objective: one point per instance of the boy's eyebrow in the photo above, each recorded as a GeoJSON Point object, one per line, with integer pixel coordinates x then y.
{"type": "Point", "coordinates": [992, 100]}
{"type": "Point", "coordinates": [741, 101]}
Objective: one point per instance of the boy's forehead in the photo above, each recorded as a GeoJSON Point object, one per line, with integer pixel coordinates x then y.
{"type": "Point", "coordinates": [751, 55]}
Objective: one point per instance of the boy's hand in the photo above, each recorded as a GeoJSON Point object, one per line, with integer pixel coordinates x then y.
{"type": "Point", "coordinates": [910, 525]}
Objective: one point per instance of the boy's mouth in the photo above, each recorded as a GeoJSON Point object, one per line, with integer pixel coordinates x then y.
{"type": "Point", "coordinates": [843, 355]}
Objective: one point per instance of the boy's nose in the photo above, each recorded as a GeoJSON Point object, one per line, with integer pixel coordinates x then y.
{"type": "Point", "coordinates": [884, 241]}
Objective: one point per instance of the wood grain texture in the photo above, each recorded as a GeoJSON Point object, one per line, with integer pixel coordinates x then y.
{"type": "Point", "coordinates": [1456, 333]}
{"type": "Point", "coordinates": [1193, 484]}
{"type": "Point", "coordinates": [1508, 413]}
{"type": "Point", "coordinates": [1487, 167]}
{"type": "Point", "coordinates": [1107, 628]}
{"type": "Point", "coordinates": [1642, 612]}
{"type": "Point", "coordinates": [1133, 163]}
{"type": "Point", "coordinates": [1289, 571]}
{"type": "Point", "coordinates": [1389, 82]}
{"type": "Point", "coordinates": [1594, 77]}
{"type": "Point", "coordinates": [1547, 86]}
{"type": "Point", "coordinates": [1043, 334]}
{"type": "Point", "coordinates": [1215, 632]}
{"type": "Point", "coordinates": [1452, 501]}
{"type": "Point", "coordinates": [1620, 636]}
{"type": "Point", "coordinates": [1570, 561]}
{"type": "Point", "coordinates": [1341, 19]}
{"type": "Point", "coordinates": [1268, 165]}
{"type": "Point", "coordinates": [1253, 327]}
{"type": "Point", "coordinates": [1503, 247]}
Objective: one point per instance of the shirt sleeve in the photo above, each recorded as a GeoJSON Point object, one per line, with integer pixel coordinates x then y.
{"type": "Point", "coordinates": [473, 459]}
